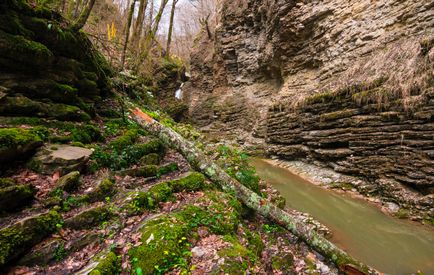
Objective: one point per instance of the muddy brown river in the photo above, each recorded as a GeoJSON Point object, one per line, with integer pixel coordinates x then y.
{"type": "Point", "coordinates": [386, 243]}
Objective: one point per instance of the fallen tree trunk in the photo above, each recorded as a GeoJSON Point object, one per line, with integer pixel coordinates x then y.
{"type": "Point", "coordinates": [201, 162]}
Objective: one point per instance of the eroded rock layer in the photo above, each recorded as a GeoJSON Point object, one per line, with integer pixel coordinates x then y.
{"type": "Point", "coordinates": [346, 83]}
{"type": "Point", "coordinates": [362, 139]}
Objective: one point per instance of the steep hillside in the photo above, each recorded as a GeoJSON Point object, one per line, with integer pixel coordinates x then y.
{"type": "Point", "coordinates": [341, 83]}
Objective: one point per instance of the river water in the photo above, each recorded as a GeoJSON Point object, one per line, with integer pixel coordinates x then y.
{"type": "Point", "coordinates": [388, 244]}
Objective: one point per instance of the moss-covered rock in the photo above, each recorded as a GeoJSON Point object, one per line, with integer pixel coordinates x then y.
{"type": "Point", "coordinates": [218, 211]}
{"type": "Point", "coordinates": [125, 140]}
{"type": "Point", "coordinates": [59, 158]}
{"type": "Point", "coordinates": [16, 142]}
{"type": "Point", "coordinates": [168, 168]}
{"type": "Point", "coordinates": [108, 265]}
{"type": "Point", "coordinates": [143, 171]}
{"type": "Point", "coordinates": [21, 236]}
{"type": "Point", "coordinates": [88, 218]}
{"type": "Point", "coordinates": [16, 196]}
{"type": "Point", "coordinates": [21, 105]}
{"type": "Point", "coordinates": [150, 159]}
{"type": "Point", "coordinates": [6, 182]}
{"type": "Point", "coordinates": [237, 258]}
{"type": "Point", "coordinates": [69, 182]}
{"type": "Point", "coordinates": [106, 188]}
{"type": "Point", "coordinates": [49, 251]}
{"type": "Point", "coordinates": [21, 53]}
{"type": "Point", "coordinates": [165, 239]}
{"type": "Point", "coordinates": [193, 182]}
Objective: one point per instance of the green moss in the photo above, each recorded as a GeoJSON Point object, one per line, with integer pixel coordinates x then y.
{"type": "Point", "coordinates": [125, 140]}
{"type": "Point", "coordinates": [88, 218]}
{"type": "Point", "coordinates": [67, 112]}
{"type": "Point", "coordinates": [337, 115]}
{"type": "Point", "coordinates": [402, 213]}
{"type": "Point", "coordinates": [69, 182]}
{"type": "Point", "coordinates": [237, 258]}
{"type": "Point", "coordinates": [126, 156]}
{"type": "Point", "coordinates": [255, 243]}
{"type": "Point", "coordinates": [164, 191]}
{"type": "Point", "coordinates": [106, 188]}
{"type": "Point", "coordinates": [17, 238]}
{"type": "Point", "coordinates": [21, 105]}
{"type": "Point", "coordinates": [168, 168]}
{"type": "Point", "coordinates": [6, 182]}
{"type": "Point", "coordinates": [28, 53]}
{"type": "Point", "coordinates": [15, 137]}
{"type": "Point", "coordinates": [220, 212]}
{"type": "Point", "coordinates": [143, 171]}
{"type": "Point", "coordinates": [164, 241]}
{"type": "Point", "coordinates": [11, 23]}
{"type": "Point", "coordinates": [108, 265]}
{"type": "Point", "coordinates": [236, 164]}
{"type": "Point", "coordinates": [320, 98]}
{"type": "Point", "coordinates": [87, 88]}
{"type": "Point", "coordinates": [282, 262]}
{"type": "Point", "coordinates": [16, 196]}
{"type": "Point", "coordinates": [193, 182]}
{"type": "Point", "coordinates": [150, 159]}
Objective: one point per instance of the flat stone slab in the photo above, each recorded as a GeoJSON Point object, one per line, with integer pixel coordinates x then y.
{"type": "Point", "coordinates": [60, 158]}
{"type": "Point", "coordinates": [69, 153]}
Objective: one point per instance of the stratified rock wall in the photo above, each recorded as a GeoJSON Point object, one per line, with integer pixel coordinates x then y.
{"type": "Point", "coordinates": [347, 83]}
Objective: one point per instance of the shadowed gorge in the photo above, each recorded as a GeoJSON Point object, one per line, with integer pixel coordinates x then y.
{"type": "Point", "coordinates": [128, 127]}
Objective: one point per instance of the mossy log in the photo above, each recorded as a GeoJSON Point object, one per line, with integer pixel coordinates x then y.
{"type": "Point", "coordinates": [216, 174]}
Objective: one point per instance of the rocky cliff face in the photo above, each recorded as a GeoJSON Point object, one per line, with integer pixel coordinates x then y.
{"type": "Point", "coordinates": [46, 70]}
{"type": "Point", "coordinates": [346, 83]}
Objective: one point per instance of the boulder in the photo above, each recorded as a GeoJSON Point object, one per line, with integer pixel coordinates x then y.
{"type": "Point", "coordinates": [69, 182]}
{"type": "Point", "coordinates": [60, 158]}
{"type": "Point", "coordinates": [17, 142]}
{"type": "Point", "coordinates": [88, 218]}
{"type": "Point", "coordinates": [18, 238]}
{"type": "Point", "coordinates": [16, 196]}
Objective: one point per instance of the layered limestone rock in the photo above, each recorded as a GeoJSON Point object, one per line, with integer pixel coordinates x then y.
{"type": "Point", "coordinates": [348, 84]}
{"type": "Point", "coordinates": [46, 69]}
{"type": "Point", "coordinates": [263, 51]}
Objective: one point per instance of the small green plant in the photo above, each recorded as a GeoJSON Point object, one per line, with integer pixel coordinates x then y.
{"type": "Point", "coordinates": [60, 252]}
{"type": "Point", "coordinates": [236, 164]}
{"type": "Point", "coordinates": [270, 228]}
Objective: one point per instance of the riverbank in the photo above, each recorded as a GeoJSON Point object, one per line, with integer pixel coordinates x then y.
{"type": "Point", "coordinates": [358, 188]}
{"type": "Point", "coordinates": [388, 244]}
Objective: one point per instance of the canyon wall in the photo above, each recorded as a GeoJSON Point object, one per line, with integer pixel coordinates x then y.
{"type": "Point", "coordinates": [346, 83]}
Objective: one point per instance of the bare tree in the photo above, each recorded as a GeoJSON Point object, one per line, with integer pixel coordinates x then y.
{"type": "Point", "coordinates": [169, 35]}
{"type": "Point", "coordinates": [84, 15]}
{"type": "Point", "coordinates": [140, 18]}
{"type": "Point", "coordinates": [127, 32]}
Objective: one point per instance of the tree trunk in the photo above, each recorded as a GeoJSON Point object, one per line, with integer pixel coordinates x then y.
{"type": "Point", "coordinates": [169, 34]}
{"type": "Point", "coordinates": [201, 162]}
{"type": "Point", "coordinates": [140, 18]}
{"type": "Point", "coordinates": [127, 32]}
{"type": "Point", "coordinates": [81, 21]}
